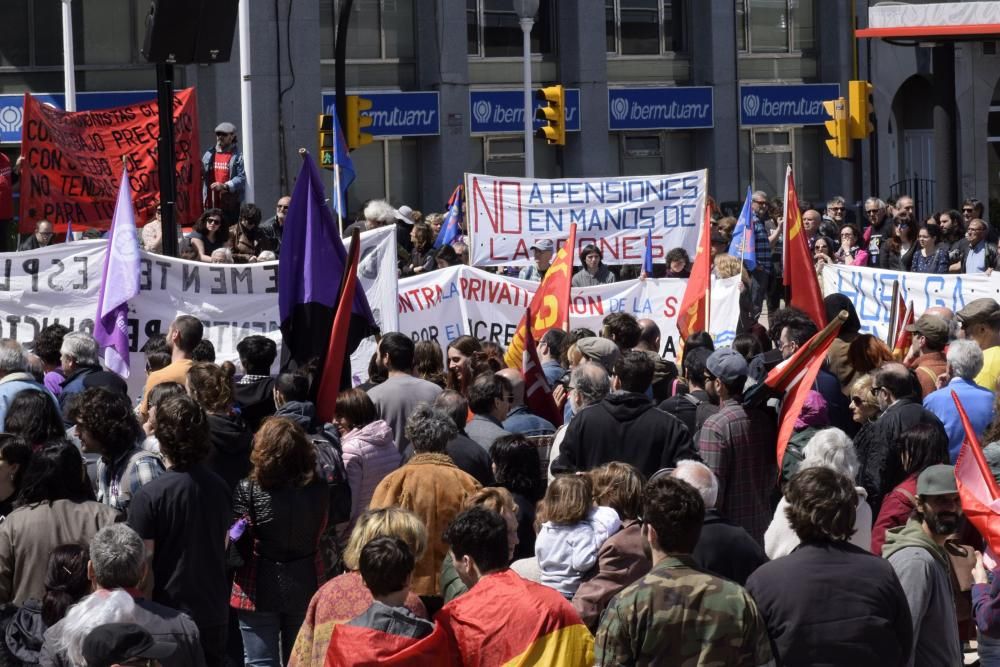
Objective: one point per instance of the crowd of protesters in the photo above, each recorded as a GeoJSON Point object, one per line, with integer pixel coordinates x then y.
{"type": "Point", "coordinates": [216, 520]}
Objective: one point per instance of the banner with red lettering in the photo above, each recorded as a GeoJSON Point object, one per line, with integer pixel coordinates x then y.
{"type": "Point", "coordinates": [73, 162]}
{"type": "Point", "coordinates": [445, 304]}
{"type": "Point", "coordinates": [507, 215]}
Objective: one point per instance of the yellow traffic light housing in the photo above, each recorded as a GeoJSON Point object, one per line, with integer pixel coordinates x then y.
{"type": "Point", "coordinates": [839, 143]}
{"type": "Point", "coordinates": [357, 121]}
{"type": "Point", "coordinates": [327, 139]}
{"type": "Point", "coordinates": [859, 94]}
{"type": "Point", "coordinates": [554, 114]}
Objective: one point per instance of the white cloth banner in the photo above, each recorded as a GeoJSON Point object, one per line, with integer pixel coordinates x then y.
{"type": "Point", "coordinates": [870, 290]}
{"type": "Point", "coordinates": [59, 284]}
{"type": "Point", "coordinates": [507, 215]}
{"type": "Point", "coordinates": [461, 300]}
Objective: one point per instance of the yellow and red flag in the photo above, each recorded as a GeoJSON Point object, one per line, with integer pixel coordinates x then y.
{"type": "Point", "coordinates": [697, 299]}
{"type": "Point", "coordinates": [549, 308]}
{"type": "Point", "coordinates": [537, 392]}
{"type": "Point", "coordinates": [977, 487]}
{"type": "Point", "coordinates": [799, 274]}
{"type": "Point", "coordinates": [903, 338]}
{"type": "Point", "coordinates": [796, 376]}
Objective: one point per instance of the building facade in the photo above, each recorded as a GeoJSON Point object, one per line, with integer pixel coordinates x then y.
{"type": "Point", "coordinates": [654, 86]}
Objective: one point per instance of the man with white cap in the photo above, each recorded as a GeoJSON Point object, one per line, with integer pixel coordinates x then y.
{"type": "Point", "coordinates": [541, 255]}
{"type": "Point", "coordinates": [224, 175]}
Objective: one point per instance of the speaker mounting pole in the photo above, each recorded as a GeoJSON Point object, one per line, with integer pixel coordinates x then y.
{"type": "Point", "coordinates": [166, 156]}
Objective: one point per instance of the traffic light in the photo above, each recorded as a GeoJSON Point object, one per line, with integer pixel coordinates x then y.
{"type": "Point", "coordinates": [553, 113]}
{"type": "Point", "coordinates": [859, 94]}
{"type": "Point", "coordinates": [326, 141]}
{"type": "Point", "coordinates": [356, 122]}
{"type": "Point", "coordinates": [839, 143]}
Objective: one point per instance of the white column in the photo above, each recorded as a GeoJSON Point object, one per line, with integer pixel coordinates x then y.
{"type": "Point", "coordinates": [246, 98]}
{"type": "Point", "coordinates": [69, 67]}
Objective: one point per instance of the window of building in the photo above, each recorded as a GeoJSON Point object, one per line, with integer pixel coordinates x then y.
{"type": "Point", "coordinates": [664, 152]}
{"type": "Point", "coordinates": [644, 27]}
{"type": "Point", "coordinates": [766, 152]}
{"type": "Point", "coordinates": [378, 29]}
{"type": "Point", "coordinates": [774, 26]}
{"type": "Point", "coordinates": [494, 30]}
{"type": "Point", "coordinates": [385, 170]}
{"type": "Point", "coordinates": [105, 32]}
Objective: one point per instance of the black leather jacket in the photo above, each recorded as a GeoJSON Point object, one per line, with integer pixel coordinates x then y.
{"type": "Point", "coordinates": [286, 521]}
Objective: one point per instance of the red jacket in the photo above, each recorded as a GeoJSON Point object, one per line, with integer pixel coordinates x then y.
{"type": "Point", "coordinates": [896, 509]}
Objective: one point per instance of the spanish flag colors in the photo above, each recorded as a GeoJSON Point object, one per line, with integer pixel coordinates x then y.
{"type": "Point", "coordinates": [697, 295]}
{"type": "Point", "coordinates": [549, 308]}
{"type": "Point", "coordinates": [799, 275]}
{"type": "Point", "coordinates": [977, 488]}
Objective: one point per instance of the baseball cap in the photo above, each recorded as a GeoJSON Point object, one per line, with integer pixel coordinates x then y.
{"type": "Point", "coordinates": [403, 213]}
{"type": "Point", "coordinates": [600, 350]}
{"type": "Point", "coordinates": [227, 128]}
{"type": "Point", "coordinates": [937, 480]}
{"type": "Point", "coordinates": [118, 642]}
{"type": "Point", "coordinates": [978, 311]}
{"type": "Point", "coordinates": [727, 364]}
{"type": "Point", "coordinates": [543, 244]}
{"type": "Point", "coordinates": [932, 327]}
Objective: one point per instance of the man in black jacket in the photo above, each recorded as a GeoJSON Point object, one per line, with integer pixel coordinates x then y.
{"type": "Point", "coordinates": [254, 392]}
{"type": "Point", "coordinates": [880, 468]}
{"type": "Point", "coordinates": [694, 407]}
{"type": "Point", "coordinates": [625, 426]}
{"type": "Point", "coordinates": [723, 548]}
{"type": "Point", "coordinates": [813, 615]}
{"type": "Point", "coordinates": [975, 253]}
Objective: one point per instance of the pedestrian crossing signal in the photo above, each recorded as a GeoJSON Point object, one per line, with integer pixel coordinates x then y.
{"type": "Point", "coordinates": [326, 141]}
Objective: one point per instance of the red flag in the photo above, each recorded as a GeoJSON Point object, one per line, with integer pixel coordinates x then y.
{"type": "Point", "coordinates": [976, 485]}
{"type": "Point", "coordinates": [799, 274]}
{"type": "Point", "coordinates": [537, 393]}
{"type": "Point", "coordinates": [336, 352]}
{"type": "Point", "coordinates": [903, 338]}
{"type": "Point", "coordinates": [795, 377]}
{"type": "Point", "coordinates": [549, 307]}
{"type": "Point", "coordinates": [694, 312]}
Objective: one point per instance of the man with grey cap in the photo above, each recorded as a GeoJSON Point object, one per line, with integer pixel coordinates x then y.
{"type": "Point", "coordinates": [964, 361]}
{"type": "Point", "coordinates": [980, 320]}
{"type": "Point", "coordinates": [917, 553]}
{"type": "Point", "coordinates": [224, 174]}
{"type": "Point", "coordinates": [738, 443]}
{"type": "Point", "coordinates": [926, 356]}
{"type": "Point", "coordinates": [626, 426]}
{"type": "Point", "coordinates": [541, 258]}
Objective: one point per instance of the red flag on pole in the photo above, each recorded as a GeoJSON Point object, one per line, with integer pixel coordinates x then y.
{"type": "Point", "coordinates": [795, 377]}
{"type": "Point", "coordinates": [976, 485]}
{"type": "Point", "coordinates": [549, 307]}
{"type": "Point", "coordinates": [537, 393]}
{"type": "Point", "coordinates": [695, 306]}
{"type": "Point", "coordinates": [336, 353]}
{"type": "Point", "coordinates": [903, 338]}
{"type": "Point", "coordinates": [799, 274]}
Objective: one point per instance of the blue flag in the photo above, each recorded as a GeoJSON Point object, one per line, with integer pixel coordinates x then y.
{"type": "Point", "coordinates": [743, 244]}
{"type": "Point", "coordinates": [647, 260]}
{"type": "Point", "coordinates": [343, 167]}
{"type": "Point", "coordinates": [451, 225]}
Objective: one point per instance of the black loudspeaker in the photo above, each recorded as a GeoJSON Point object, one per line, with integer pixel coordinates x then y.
{"type": "Point", "coordinates": [190, 31]}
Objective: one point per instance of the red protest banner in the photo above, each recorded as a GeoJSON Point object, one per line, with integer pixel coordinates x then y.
{"type": "Point", "coordinates": [73, 162]}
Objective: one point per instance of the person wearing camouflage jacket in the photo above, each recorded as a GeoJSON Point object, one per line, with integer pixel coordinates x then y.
{"type": "Point", "coordinates": [676, 614]}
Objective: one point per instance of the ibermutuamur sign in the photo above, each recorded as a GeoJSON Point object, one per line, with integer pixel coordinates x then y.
{"type": "Point", "coordinates": [785, 104]}
{"type": "Point", "coordinates": [660, 108]}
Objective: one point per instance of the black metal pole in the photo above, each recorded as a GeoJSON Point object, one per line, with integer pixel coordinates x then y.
{"type": "Point", "coordinates": [340, 62]}
{"type": "Point", "coordinates": [165, 152]}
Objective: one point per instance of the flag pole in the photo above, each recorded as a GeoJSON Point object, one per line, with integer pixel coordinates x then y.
{"type": "Point", "coordinates": [890, 338]}
{"type": "Point", "coordinates": [339, 195]}
{"type": "Point", "coordinates": [811, 346]}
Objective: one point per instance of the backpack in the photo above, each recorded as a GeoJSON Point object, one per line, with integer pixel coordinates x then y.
{"type": "Point", "coordinates": [330, 468]}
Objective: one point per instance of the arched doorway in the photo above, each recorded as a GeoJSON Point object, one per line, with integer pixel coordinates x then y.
{"type": "Point", "coordinates": [912, 130]}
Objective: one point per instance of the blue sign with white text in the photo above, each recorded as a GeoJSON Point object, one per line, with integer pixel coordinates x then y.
{"type": "Point", "coordinates": [395, 114]}
{"type": "Point", "coordinates": [686, 107]}
{"type": "Point", "coordinates": [12, 107]}
{"type": "Point", "coordinates": [785, 104]}
{"type": "Point", "coordinates": [502, 111]}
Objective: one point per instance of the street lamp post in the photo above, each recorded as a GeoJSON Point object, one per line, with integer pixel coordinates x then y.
{"type": "Point", "coordinates": [526, 10]}
{"type": "Point", "coordinates": [69, 67]}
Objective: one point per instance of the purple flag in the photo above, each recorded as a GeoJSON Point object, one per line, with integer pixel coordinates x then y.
{"type": "Point", "coordinates": [119, 283]}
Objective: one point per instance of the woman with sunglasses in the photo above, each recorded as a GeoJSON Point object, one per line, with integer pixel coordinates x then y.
{"type": "Point", "coordinates": [897, 252]}
{"type": "Point", "coordinates": [850, 247]}
{"type": "Point", "coordinates": [209, 234]}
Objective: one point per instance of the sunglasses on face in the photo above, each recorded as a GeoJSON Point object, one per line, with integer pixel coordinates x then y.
{"type": "Point", "coordinates": [968, 210]}
{"type": "Point", "coordinates": [213, 221]}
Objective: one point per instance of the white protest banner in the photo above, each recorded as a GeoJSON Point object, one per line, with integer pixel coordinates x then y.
{"type": "Point", "coordinates": [506, 215]}
{"type": "Point", "coordinates": [461, 300]}
{"type": "Point", "coordinates": [378, 277]}
{"type": "Point", "coordinates": [59, 284]}
{"type": "Point", "coordinates": [870, 290]}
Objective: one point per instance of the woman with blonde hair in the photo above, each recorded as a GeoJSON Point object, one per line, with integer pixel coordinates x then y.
{"type": "Point", "coordinates": [282, 508]}
{"type": "Point", "coordinates": [345, 597]}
